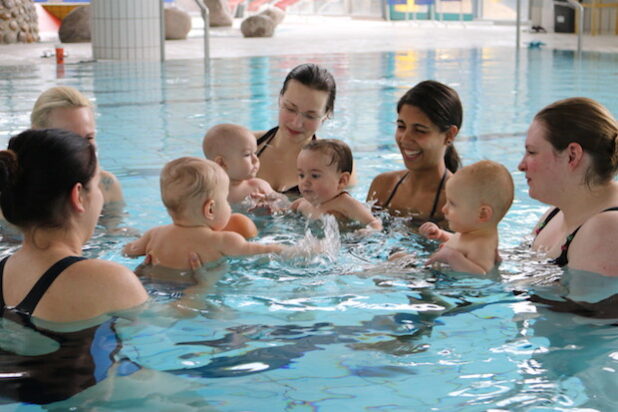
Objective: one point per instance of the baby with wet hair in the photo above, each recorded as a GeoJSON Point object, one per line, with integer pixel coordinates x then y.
{"type": "Point", "coordinates": [324, 170]}
{"type": "Point", "coordinates": [195, 193]}
{"type": "Point", "coordinates": [477, 198]}
{"type": "Point", "coordinates": [234, 148]}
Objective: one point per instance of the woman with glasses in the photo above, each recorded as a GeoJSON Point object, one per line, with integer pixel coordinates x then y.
{"type": "Point", "coordinates": [429, 116]}
{"type": "Point", "coordinates": [306, 99]}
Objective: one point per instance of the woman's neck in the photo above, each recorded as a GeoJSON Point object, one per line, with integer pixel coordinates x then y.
{"type": "Point", "coordinates": [64, 242]}
{"type": "Point", "coordinates": [282, 142]}
{"type": "Point", "coordinates": [426, 178]}
{"type": "Point", "coordinates": [582, 201]}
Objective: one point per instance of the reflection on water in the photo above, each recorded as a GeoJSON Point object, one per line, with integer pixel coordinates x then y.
{"type": "Point", "coordinates": [336, 326]}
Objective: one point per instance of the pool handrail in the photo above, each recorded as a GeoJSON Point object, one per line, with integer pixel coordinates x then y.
{"type": "Point", "coordinates": [206, 17]}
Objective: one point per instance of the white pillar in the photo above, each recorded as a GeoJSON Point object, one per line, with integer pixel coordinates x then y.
{"type": "Point", "coordinates": [126, 29]}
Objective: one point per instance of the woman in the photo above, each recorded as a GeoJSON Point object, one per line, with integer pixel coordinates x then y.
{"type": "Point", "coordinates": [429, 116]}
{"type": "Point", "coordinates": [571, 161]}
{"type": "Point", "coordinates": [306, 99]}
{"type": "Point", "coordinates": [49, 189]}
{"type": "Point", "coordinates": [64, 107]}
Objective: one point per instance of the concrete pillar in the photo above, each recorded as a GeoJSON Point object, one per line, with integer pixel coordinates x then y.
{"type": "Point", "coordinates": [127, 30]}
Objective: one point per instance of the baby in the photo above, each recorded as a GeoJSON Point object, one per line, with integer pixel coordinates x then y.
{"type": "Point", "coordinates": [195, 192]}
{"type": "Point", "coordinates": [324, 169]}
{"type": "Point", "coordinates": [477, 198]}
{"type": "Point", "coordinates": [234, 148]}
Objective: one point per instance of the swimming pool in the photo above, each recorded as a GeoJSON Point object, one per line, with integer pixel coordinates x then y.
{"type": "Point", "coordinates": [343, 332]}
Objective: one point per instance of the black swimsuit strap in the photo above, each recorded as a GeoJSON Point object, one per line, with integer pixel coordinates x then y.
{"type": "Point", "coordinates": [436, 199]}
{"type": "Point", "coordinates": [549, 217]}
{"type": "Point", "coordinates": [399, 182]}
{"type": "Point", "coordinates": [265, 139]}
{"type": "Point", "coordinates": [563, 259]}
{"type": "Point", "coordinates": [2, 263]}
{"type": "Point", "coordinates": [40, 287]}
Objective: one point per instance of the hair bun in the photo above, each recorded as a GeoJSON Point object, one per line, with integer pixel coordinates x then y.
{"type": "Point", "coordinates": [8, 169]}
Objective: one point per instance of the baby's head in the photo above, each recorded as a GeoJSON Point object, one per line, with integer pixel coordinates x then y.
{"type": "Point", "coordinates": [233, 148]}
{"type": "Point", "coordinates": [478, 195]}
{"type": "Point", "coordinates": [195, 190]}
{"type": "Point", "coordinates": [324, 169]}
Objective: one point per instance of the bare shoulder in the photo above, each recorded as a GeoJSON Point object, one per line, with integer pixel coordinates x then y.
{"type": "Point", "coordinates": [110, 187]}
{"type": "Point", "coordinates": [594, 247]}
{"type": "Point", "coordinates": [259, 133]}
{"type": "Point", "coordinates": [107, 285]}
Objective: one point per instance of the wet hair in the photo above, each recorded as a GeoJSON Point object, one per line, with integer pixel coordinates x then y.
{"type": "Point", "coordinates": [222, 136]}
{"type": "Point", "coordinates": [588, 123]}
{"type": "Point", "coordinates": [339, 152]}
{"type": "Point", "coordinates": [60, 97]}
{"type": "Point", "coordinates": [187, 182]}
{"type": "Point", "coordinates": [314, 77]}
{"type": "Point", "coordinates": [442, 105]}
{"type": "Point", "coordinates": [37, 173]}
{"type": "Point", "coordinates": [489, 182]}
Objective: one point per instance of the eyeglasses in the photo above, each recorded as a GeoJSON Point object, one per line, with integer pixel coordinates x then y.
{"type": "Point", "coordinates": [310, 117]}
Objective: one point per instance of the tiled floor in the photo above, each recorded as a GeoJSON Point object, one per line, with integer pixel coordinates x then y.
{"type": "Point", "coordinates": [314, 35]}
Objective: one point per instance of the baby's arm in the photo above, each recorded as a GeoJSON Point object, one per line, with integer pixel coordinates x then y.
{"type": "Point", "coordinates": [432, 231]}
{"type": "Point", "coordinates": [137, 247]}
{"type": "Point", "coordinates": [456, 260]}
{"type": "Point", "coordinates": [355, 210]}
{"type": "Point", "coordinates": [232, 244]}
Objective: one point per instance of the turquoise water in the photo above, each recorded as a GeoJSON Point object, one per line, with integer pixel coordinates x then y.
{"type": "Point", "coordinates": [345, 331]}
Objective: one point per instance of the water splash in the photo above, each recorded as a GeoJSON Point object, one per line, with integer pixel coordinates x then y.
{"type": "Point", "coordinates": [312, 249]}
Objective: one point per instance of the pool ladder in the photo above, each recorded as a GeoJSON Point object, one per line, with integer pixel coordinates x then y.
{"type": "Point", "coordinates": [206, 17]}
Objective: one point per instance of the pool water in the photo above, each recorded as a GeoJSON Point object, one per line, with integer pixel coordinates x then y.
{"type": "Point", "coordinates": [344, 330]}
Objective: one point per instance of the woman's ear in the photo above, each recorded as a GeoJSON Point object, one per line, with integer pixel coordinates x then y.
{"type": "Point", "coordinates": [451, 134]}
{"type": "Point", "coordinates": [575, 153]}
{"type": "Point", "coordinates": [77, 197]}
{"type": "Point", "coordinates": [485, 213]}
{"type": "Point", "coordinates": [344, 180]}
{"type": "Point", "coordinates": [208, 209]}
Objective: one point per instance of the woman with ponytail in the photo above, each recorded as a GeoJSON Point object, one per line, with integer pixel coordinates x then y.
{"type": "Point", "coordinates": [570, 163]}
{"type": "Point", "coordinates": [429, 116]}
{"type": "Point", "coordinates": [49, 189]}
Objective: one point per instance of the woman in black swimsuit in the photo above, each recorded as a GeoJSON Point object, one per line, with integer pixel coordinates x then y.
{"type": "Point", "coordinates": [429, 116]}
{"type": "Point", "coordinates": [49, 189]}
{"type": "Point", "coordinates": [306, 99]}
{"type": "Point", "coordinates": [571, 162]}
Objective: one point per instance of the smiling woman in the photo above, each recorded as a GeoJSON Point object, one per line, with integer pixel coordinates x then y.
{"type": "Point", "coordinates": [571, 161]}
{"type": "Point", "coordinates": [306, 99]}
{"type": "Point", "coordinates": [429, 118]}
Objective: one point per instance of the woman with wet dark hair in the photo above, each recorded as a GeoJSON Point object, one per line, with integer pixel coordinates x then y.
{"type": "Point", "coordinates": [429, 116]}
{"type": "Point", "coordinates": [306, 99]}
{"type": "Point", "coordinates": [49, 189]}
{"type": "Point", "coordinates": [571, 162]}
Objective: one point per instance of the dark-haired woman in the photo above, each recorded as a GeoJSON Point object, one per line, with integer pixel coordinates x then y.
{"type": "Point", "coordinates": [571, 162]}
{"type": "Point", "coordinates": [306, 99]}
{"type": "Point", "coordinates": [429, 116]}
{"type": "Point", "coordinates": [49, 189]}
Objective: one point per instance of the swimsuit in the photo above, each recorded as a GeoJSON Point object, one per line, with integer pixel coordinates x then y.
{"type": "Point", "coordinates": [81, 358]}
{"type": "Point", "coordinates": [435, 200]}
{"type": "Point", "coordinates": [265, 141]}
{"type": "Point", "coordinates": [563, 259]}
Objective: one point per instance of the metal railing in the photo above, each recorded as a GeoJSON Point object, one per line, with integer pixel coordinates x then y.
{"type": "Point", "coordinates": [206, 17]}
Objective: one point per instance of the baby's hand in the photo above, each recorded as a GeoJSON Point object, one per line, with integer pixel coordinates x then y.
{"type": "Point", "coordinates": [430, 230]}
{"type": "Point", "coordinates": [128, 250]}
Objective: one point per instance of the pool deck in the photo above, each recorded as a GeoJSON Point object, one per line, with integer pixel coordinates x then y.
{"type": "Point", "coordinates": [316, 35]}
